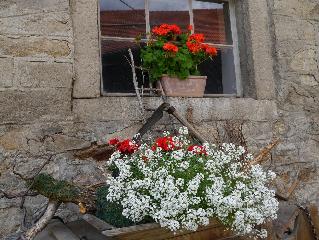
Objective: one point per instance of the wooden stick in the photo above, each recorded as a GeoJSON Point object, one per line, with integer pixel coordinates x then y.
{"type": "Point", "coordinates": [136, 85]}
{"type": "Point", "coordinates": [264, 152]}
{"type": "Point", "coordinates": [171, 110]}
{"type": "Point", "coordinates": [43, 221]}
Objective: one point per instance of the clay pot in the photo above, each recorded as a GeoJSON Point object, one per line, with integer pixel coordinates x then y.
{"type": "Point", "coordinates": [193, 86]}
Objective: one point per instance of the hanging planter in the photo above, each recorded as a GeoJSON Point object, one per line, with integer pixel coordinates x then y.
{"type": "Point", "coordinates": [171, 59]}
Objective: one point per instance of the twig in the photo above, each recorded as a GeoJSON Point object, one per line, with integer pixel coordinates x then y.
{"type": "Point", "coordinates": [43, 221]}
{"type": "Point", "coordinates": [264, 152]}
{"type": "Point", "coordinates": [136, 85]}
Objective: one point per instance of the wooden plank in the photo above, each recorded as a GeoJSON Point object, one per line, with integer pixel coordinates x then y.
{"type": "Point", "coordinates": [97, 223]}
{"type": "Point", "coordinates": [154, 232]}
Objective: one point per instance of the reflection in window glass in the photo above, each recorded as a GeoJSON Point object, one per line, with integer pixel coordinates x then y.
{"type": "Point", "coordinates": [122, 18]}
{"type": "Point", "coordinates": [117, 73]}
{"type": "Point", "coordinates": [212, 20]}
{"type": "Point", "coordinates": [171, 12]}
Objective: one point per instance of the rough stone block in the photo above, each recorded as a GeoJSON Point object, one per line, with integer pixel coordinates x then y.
{"type": "Point", "coordinates": [260, 37]}
{"type": "Point", "coordinates": [13, 140]}
{"type": "Point", "coordinates": [290, 28]}
{"type": "Point", "coordinates": [10, 8]}
{"type": "Point", "coordinates": [62, 143]}
{"type": "Point", "coordinates": [6, 72]}
{"type": "Point", "coordinates": [86, 49]}
{"type": "Point", "coordinates": [48, 24]}
{"type": "Point", "coordinates": [107, 108]}
{"type": "Point", "coordinates": [289, 48]}
{"type": "Point", "coordinates": [305, 61]}
{"type": "Point", "coordinates": [27, 106]}
{"type": "Point", "coordinates": [34, 47]}
{"type": "Point", "coordinates": [43, 74]}
{"type": "Point", "coordinates": [297, 9]}
{"type": "Point", "coordinates": [11, 220]}
{"type": "Point", "coordinates": [309, 80]}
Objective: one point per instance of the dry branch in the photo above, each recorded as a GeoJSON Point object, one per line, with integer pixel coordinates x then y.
{"type": "Point", "coordinates": [42, 222]}
{"type": "Point", "coordinates": [264, 152]}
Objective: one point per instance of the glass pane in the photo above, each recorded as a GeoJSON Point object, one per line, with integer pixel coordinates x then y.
{"type": "Point", "coordinates": [122, 18]}
{"type": "Point", "coordinates": [169, 11]}
{"type": "Point", "coordinates": [212, 19]}
{"type": "Point", "coordinates": [220, 72]}
{"type": "Point", "coordinates": [117, 73]}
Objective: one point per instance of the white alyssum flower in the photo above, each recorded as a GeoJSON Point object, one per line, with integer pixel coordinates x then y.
{"type": "Point", "coordinates": [182, 189]}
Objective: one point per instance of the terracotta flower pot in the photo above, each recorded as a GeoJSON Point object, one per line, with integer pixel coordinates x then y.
{"type": "Point", "coordinates": [193, 86]}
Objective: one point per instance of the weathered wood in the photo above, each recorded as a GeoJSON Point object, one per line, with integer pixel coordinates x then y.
{"type": "Point", "coordinates": [171, 110]}
{"type": "Point", "coordinates": [150, 122]}
{"type": "Point", "coordinates": [97, 223]}
{"type": "Point", "coordinates": [264, 152]}
{"type": "Point", "coordinates": [43, 221]}
{"type": "Point", "coordinates": [153, 231]}
{"type": "Point", "coordinates": [97, 152]}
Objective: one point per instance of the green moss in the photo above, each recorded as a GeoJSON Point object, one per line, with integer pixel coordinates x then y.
{"type": "Point", "coordinates": [54, 189]}
{"type": "Point", "coordinates": [112, 212]}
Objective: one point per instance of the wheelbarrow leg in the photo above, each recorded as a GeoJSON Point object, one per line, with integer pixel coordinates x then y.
{"type": "Point", "coordinates": [158, 114]}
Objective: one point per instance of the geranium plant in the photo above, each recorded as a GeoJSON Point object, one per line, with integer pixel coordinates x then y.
{"type": "Point", "coordinates": [182, 185]}
{"type": "Point", "coordinates": [170, 51]}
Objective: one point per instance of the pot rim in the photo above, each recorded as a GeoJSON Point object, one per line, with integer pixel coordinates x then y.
{"type": "Point", "coordinates": [190, 76]}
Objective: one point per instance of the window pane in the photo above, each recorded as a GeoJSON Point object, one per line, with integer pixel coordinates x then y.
{"type": "Point", "coordinates": [122, 18]}
{"type": "Point", "coordinates": [212, 19]}
{"type": "Point", "coordinates": [117, 73]}
{"type": "Point", "coordinates": [220, 72]}
{"type": "Point", "coordinates": [169, 11]}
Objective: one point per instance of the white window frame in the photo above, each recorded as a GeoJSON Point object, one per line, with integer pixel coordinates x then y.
{"type": "Point", "coordinates": [234, 46]}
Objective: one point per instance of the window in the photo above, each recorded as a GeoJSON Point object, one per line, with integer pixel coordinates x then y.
{"type": "Point", "coordinates": [121, 21]}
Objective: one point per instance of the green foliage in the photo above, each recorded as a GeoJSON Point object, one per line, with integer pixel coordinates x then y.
{"type": "Point", "coordinates": [54, 189]}
{"type": "Point", "coordinates": [179, 62]}
{"type": "Point", "coordinates": [159, 62]}
{"type": "Point", "coordinates": [111, 212]}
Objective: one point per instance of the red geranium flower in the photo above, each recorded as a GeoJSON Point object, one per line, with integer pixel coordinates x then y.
{"type": "Point", "coordinates": [114, 141]}
{"type": "Point", "coordinates": [193, 47]}
{"type": "Point", "coordinates": [211, 51]}
{"type": "Point", "coordinates": [165, 143]}
{"type": "Point", "coordinates": [127, 146]}
{"type": "Point", "coordinates": [165, 29]}
{"type": "Point", "coordinates": [196, 38]}
{"type": "Point", "coordinates": [170, 47]}
{"type": "Point", "coordinates": [190, 28]}
{"type": "Point", "coordinates": [194, 43]}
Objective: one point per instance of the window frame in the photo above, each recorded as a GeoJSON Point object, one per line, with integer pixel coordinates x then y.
{"type": "Point", "coordinates": [234, 46]}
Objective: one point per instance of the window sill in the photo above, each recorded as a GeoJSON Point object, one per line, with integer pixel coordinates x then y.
{"type": "Point", "coordinates": [104, 94]}
{"type": "Point", "coordinates": [204, 109]}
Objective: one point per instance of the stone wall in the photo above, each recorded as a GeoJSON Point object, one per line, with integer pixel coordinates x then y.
{"type": "Point", "coordinates": [45, 110]}
{"type": "Point", "coordinates": [296, 50]}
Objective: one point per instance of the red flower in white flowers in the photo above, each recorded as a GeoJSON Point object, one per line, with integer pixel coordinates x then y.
{"type": "Point", "coordinates": [114, 141]}
{"type": "Point", "coordinates": [165, 143]}
{"type": "Point", "coordinates": [127, 146]}
{"type": "Point", "coordinates": [197, 149]}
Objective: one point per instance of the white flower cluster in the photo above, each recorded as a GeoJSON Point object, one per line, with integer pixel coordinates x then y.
{"type": "Point", "coordinates": [186, 187]}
